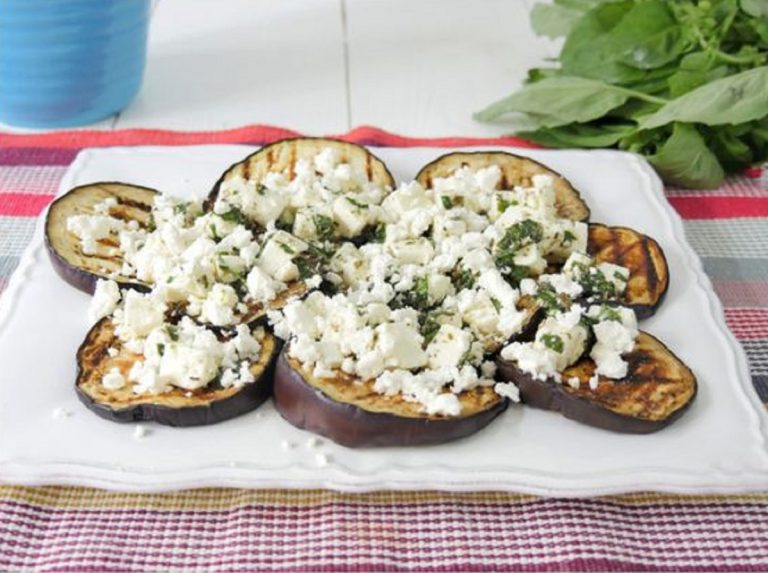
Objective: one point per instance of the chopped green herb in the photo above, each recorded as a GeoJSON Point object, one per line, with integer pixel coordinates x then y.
{"type": "Point", "coordinates": [430, 325]}
{"type": "Point", "coordinates": [313, 260]}
{"type": "Point", "coordinates": [553, 342]}
{"type": "Point", "coordinates": [594, 282]}
{"type": "Point", "coordinates": [463, 279]}
{"type": "Point", "coordinates": [324, 226]}
{"type": "Point", "coordinates": [261, 189]}
{"type": "Point", "coordinates": [234, 215]}
{"type": "Point", "coordinates": [496, 304]}
{"type": "Point", "coordinates": [417, 297]}
{"type": "Point", "coordinates": [568, 237]}
{"type": "Point", "coordinates": [161, 349]}
{"type": "Point", "coordinates": [287, 248]}
{"type": "Point", "coordinates": [610, 313]}
{"type": "Point", "coordinates": [548, 298]}
{"type": "Point", "coordinates": [525, 232]}
{"type": "Point", "coordinates": [515, 237]}
{"type": "Point", "coordinates": [502, 204]}
{"type": "Point", "coordinates": [180, 208]}
{"type": "Point", "coordinates": [356, 203]}
{"type": "Point", "coordinates": [172, 331]}
{"type": "Point", "coordinates": [447, 202]}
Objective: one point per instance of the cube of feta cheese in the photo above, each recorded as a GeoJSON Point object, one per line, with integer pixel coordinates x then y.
{"type": "Point", "coordinates": [261, 286]}
{"type": "Point", "coordinates": [477, 310]}
{"type": "Point", "coordinates": [113, 380]}
{"type": "Point", "coordinates": [140, 315]}
{"type": "Point", "coordinates": [276, 258]}
{"type": "Point", "coordinates": [350, 216]}
{"type": "Point", "coordinates": [104, 301]}
{"type": "Point", "coordinates": [218, 306]}
{"type": "Point", "coordinates": [412, 251]}
{"type": "Point", "coordinates": [188, 367]}
{"type": "Point", "coordinates": [407, 197]}
{"type": "Point", "coordinates": [615, 274]}
{"type": "Point", "coordinates": [258, 203]}
{"type": "Point", "coordinates": [448, 347]}
{"type": "Point", "coordinates": [400, 345]}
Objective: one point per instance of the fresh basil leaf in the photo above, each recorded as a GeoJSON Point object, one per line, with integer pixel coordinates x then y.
{"type": "Point", "coordinates": [732, 152]}
{"type": "Point", "coordinates": [542, 136]}
{"type": "Point", "coordinates": [696, 69]}
{"type": "Point", "coordinates": [552, 20]}
{"type": "Point", "coordinates": [559, 101]}
{"type": "Point", "coordinates": [538, 74]}
{"type": "Point", "coordinates": [735, 99]}
{"type": "Point", "coordinates": [581, 135]}
{"type": "Point", "coordinates": [591, 51]}
{"type": "Point", "coordinates": [648, 36]}
{"type": "Point", "coordinates": [684, 159]}
{"type": "Point", "coordinates": [756, 8]}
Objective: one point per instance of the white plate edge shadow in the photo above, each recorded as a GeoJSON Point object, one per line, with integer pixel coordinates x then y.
{"type": "Point", "coordinates": [342, 478]}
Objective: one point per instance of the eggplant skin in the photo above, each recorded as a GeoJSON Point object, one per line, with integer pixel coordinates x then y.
{"type": "Point", "coordinates": [515, 170]}
{"type": "Point", "coordinates": [282, 156]}
{"type": "Point", "coordinates": [203, 408]}
{"type": "Point", "coordinates": [659, 389]}
{"type": "Point", "coordinates": [309, 408]}
{"type": "Point", "coordinates": [642, 256]}
{"type": "Point", "coordinates": [80, 270]}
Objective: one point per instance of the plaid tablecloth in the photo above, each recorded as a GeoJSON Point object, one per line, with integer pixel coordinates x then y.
{"type": "Point", "coordinates": [66, 528]}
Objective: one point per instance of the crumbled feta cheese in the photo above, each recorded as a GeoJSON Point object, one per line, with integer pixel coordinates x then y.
{"type": "Point", "coordinates": [615, 335]}
{"type": "Point", "coordinates": [448, 347]}
{"type": "Point", "coordinates": [105, 299]}
{"type": "Point", "coordinates": [507, 390]}
{"type": "Point", "coordinates": [113, 379]}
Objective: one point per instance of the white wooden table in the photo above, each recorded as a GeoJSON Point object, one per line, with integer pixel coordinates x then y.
{"type": "Point", "coordinates": [414, 67]}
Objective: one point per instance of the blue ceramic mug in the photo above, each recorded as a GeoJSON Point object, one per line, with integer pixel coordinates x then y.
{"type": "Point", "coordinates": [70, 62]}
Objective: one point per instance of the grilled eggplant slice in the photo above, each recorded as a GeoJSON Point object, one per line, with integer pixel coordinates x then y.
{"type": "Point", "coordinates": [350, 413]}
{"type": "Point", "coordinates": [175, 408]}
{"type": "Point", "coordinates": [657, 390]}
{"type": "Point", "coordinates": [134, 203]}
{"type": "Point", "coordinates": [648, 270]}
{"type": "Point", "coordinates": [282, 156]}
{"type": "Point", "coordinates": [516, 170]}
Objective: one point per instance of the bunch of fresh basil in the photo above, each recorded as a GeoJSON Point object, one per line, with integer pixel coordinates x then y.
{"type": "Point", "coordinates": [682, 82]}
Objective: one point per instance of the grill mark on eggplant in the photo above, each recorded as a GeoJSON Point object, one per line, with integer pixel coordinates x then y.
{"type": "Point", "coordinates": [652, 278]}
{"type": "Point", "coordinates": [246, 170]}
{"type": "Point", "coordinates": [291, 161]}
{"type": "Point", "coordinates": [125, 201]}
{"type": "Point", "coordinates": [368, 167]}
{"type": "Point", "coordinates": [125, 217]}
{"type": "Point", "coordinates": [108, 243]}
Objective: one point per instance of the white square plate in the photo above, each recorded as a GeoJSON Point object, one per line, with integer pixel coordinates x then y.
{"type": "Point", "coordinates": [718, 446]}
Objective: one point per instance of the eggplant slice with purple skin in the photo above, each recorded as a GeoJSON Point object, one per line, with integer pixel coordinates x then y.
{"type": "Point", "coordinates": [350, 413]}
{"type": "Point", "coordinates": [658, 389]}
{"type": "Point", "coordinates": [174, 408]}
{"type": "Point", "coordinates": [134, 203]}
{"type": "Point", "coordinates": [642, 256]}
{"type": "Point", "coordinates": [515, 170]}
